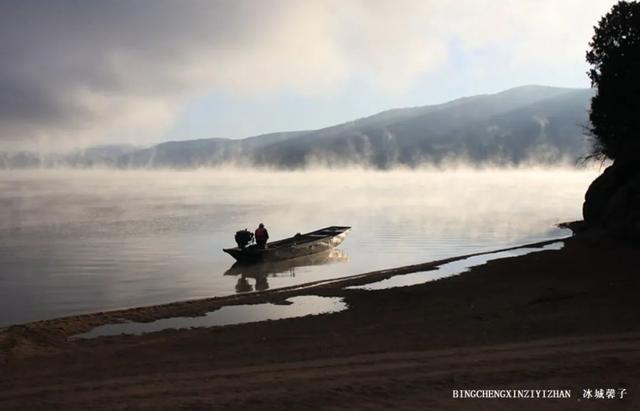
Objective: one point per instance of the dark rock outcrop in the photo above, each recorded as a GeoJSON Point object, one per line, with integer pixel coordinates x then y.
{"type": "Point", "coordinates": [612, 201]}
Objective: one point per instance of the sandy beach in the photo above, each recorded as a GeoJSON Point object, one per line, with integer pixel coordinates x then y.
{"type": "Point", "coordinates": [551, 320]}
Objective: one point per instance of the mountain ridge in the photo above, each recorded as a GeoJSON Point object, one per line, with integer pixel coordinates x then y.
{"type": "Point", "coordinates": [509, 127]}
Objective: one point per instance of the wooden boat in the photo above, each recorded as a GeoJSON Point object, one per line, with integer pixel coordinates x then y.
{"type": "Point", "coordinates": [297, 246]}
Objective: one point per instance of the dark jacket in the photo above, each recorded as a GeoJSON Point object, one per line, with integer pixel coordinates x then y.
{"type": "Point", "coordinates": [262, 235]}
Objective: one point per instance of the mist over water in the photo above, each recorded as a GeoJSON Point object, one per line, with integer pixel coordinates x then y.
{"type": "Point", "coordinates": [74, 241]}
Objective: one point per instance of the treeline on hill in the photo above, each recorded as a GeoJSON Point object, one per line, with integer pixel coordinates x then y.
{"type": "Point", "coordinates": [521, 125]}
{"type": "Point", "coordinates": [612, 203]}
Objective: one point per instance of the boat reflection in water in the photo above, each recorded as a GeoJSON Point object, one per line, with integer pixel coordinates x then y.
{"type": "Point", "coordinates": [284, 268]}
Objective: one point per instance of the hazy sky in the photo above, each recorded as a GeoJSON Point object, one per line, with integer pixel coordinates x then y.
{"type": "Point", "coordinates": [80, 72]}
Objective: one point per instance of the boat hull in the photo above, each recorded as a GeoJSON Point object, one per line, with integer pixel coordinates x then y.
{"type": "Point", "coordinates": [278, 267]}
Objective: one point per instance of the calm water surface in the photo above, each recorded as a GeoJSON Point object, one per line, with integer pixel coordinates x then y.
{"type": "Point", "coordinates": [80, 241]}
{"type": "Point", "coordinates": [234, 314]}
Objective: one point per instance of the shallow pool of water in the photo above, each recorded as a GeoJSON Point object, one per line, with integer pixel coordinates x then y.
{"type": "Point", "coordinates": [452, 268]}
{"type": "Point", "coordinates": [233, 314]}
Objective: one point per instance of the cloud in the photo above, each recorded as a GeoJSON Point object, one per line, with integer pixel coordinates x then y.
{"type": "Point", "coordinates": [78, 72]}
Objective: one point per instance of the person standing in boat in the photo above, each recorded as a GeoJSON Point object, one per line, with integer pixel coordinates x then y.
{"type": "Point", "coordinates": [261, 236]}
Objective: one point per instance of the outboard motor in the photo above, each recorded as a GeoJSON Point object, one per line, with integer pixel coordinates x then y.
{"type": "Point", "coordinates": [243, 237]}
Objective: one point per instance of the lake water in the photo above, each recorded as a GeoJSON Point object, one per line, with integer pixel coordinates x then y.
{"type": "Point", "coordinates": [76, 241]}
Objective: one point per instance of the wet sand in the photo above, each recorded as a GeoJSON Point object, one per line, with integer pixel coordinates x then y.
{"type": "Point", "coordinates": [550, 320]}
